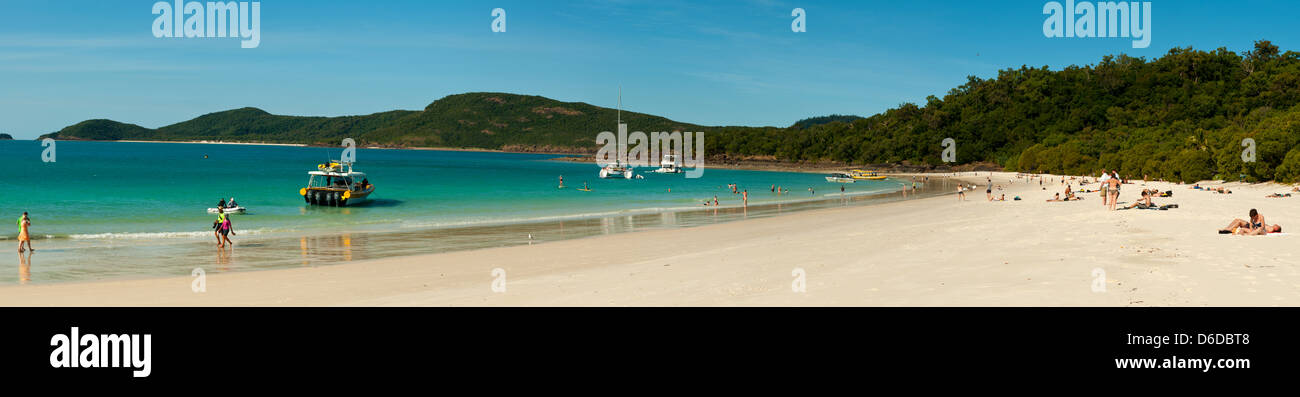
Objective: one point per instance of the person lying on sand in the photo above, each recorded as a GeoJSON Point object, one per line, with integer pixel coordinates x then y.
{"type": "Point", "coordinates": [1278, 195]}
{"type": "Point", "coordinates": [1254, 227]}
{"type": "Point", "coordinates": [1261, 232]}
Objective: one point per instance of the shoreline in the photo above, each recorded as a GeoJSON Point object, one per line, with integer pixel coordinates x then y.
{"type": "Point", "coordinates": [205, 142]}
{"type": "Point", "coordinates": [375, 243]}
{"type": "Point", "coordinates": [934, 251]}
{"type": "Point", "coordinates": [122, 285]}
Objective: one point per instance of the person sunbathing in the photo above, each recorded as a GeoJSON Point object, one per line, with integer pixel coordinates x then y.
{"type": "Point", "coordinates": [1254, 227]}
{"type": "Point", "coordinates": [1278, 195]}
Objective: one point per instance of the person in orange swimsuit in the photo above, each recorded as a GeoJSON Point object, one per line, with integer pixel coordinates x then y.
{"type": "Point", "coordinates": [24, 235]}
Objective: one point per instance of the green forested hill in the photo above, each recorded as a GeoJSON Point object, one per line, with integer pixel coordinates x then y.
{"type": "Point", "coordinates": [474, 120]}
{"type": "Point", "coordinates": [1182, 116]}
{"type": "Point", "coordinates": [100, 129]}
{"type": "Point", "coordinates": [495, 120]}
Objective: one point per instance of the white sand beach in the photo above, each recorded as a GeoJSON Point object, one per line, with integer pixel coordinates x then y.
{"type": "Point", "coordinates": [926, 252]}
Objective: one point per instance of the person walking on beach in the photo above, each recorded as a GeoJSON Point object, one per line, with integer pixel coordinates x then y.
{"type": "Point", "coordinates": [224, 228]}
{"type": "Point", "coordinates": [961, 192]}
{"type": "Point", "coordinates": [1112, 191]}
{"type": "Point", "coordinates": [24, 233]}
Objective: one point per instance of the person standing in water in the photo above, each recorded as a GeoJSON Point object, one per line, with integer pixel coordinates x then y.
{"type": "Point", "coordinates": [24, 233]}
{"type": "Point", "coordinates": [561, 181]}
{"type": "Point", "coordinates": [745, 197]}
{"type": "Point", "coordinates": [224, 229]}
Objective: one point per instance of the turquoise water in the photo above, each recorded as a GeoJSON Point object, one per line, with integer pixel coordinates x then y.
{"type": "Point", "coordinates": [99, 198]}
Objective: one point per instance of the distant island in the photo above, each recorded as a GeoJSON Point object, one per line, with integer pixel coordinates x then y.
{"type": "Point", "coordinates": [497, 121]}
{"type": "Point", "coordinates": [1181, 117]}
{"type": "Point", "coordinates": [6, 137]}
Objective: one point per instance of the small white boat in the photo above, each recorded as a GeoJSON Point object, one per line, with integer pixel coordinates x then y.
{"type": "Point", "coordinates": [670, 165]}
{"type": "Point", "coordinates": [616, 171]}
{"type": "Point", "coordinates": [229, 210]}
{"type": "Point", "coordinates": [840, 177]}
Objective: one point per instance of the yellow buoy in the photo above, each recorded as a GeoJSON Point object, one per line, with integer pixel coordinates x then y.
{"type": "Point", "coordinates": [302, 192]}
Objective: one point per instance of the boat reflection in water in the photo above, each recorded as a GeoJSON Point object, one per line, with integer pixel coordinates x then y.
{"type": "Point", "coordinates": [331, 248]}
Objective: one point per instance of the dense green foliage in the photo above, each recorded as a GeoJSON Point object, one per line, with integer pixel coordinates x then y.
{"type": "Point", "coordinates": [1180, 117]}
{"type": "Point", "coordinates": [812, 121]}
{"type": "Point", "coordinates": [100, 129]}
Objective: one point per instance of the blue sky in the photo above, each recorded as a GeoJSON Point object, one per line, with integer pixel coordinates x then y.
{"type": "Point", "coordinates": [706, 62]}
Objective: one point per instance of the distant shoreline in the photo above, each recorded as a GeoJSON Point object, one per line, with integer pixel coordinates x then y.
{"type": "Point", "coordinates": [731, 164]}
{"type": "Point", "coordinates": [448, 149]}
{"type": "Point", "coordinates": [208, 142]}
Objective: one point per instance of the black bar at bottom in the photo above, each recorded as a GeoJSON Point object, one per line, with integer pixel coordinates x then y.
{"type": "Point", "coordinates": [463, 344]}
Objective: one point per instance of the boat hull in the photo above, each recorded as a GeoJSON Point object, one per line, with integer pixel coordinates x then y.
{"type": "Point", "coordinates": [607, 174]}
{"type": "Point", "coordinates": [235, 210]}
{"type": "Point", "coordinates": [336, 197]}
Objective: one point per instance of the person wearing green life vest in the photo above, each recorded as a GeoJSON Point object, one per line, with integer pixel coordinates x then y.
{"type": "Point", "coordinates": [24, 234]}
{"type": "Point", "coordinates": [223, 228]}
